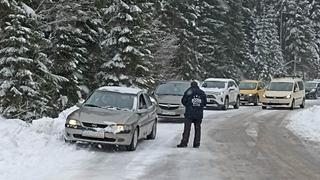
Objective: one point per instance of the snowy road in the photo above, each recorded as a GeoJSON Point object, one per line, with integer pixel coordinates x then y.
{"type": "Point", "coordinates": [245, 144]}
{"type": "Point", "coordinates": [249, 144]}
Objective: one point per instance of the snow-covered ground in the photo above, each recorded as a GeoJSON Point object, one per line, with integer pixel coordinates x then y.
{"type": "Point", "coordinates": [306, 123]}
{"type": "Point", "coordinates": [36, 151]}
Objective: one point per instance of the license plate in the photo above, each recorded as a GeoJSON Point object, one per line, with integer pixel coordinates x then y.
{"type": "Point", "coordinates": [168, 113]}
{"type": "Point", "coordinates": [94, 134]}
{"type": "Point", "coordinates": [274, 101]}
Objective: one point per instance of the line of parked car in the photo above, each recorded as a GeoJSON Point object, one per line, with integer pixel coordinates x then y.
{"type": "Point", "coordinates": [121, 115]}
{"type": "Point", "coordinates": [287, 92]}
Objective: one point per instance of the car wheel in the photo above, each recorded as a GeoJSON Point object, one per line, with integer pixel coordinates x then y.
{"type": "Point", "coordinates": [303, 103]}
{"type": "Point", "coordinates": [257, 101]}
{"type": "Point", "coordinates": [292, 105]}
{"type": "Point", "coordinates": [226, 104]}
{"type": "Point", "coordinates": [264, 107]}
{"type": "Point", "coordinates": [134, 141]}
{"type": "Point", "coordinates": [315, 96]}
{"type": "Point", "coordinates": [242, 104]}
{"type": "Point", "coordinates": [237, 105]}
{"type": "Point", "coordinates": [153, 133]}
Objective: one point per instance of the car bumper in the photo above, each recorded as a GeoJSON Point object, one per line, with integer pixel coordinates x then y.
{"type": "Point", "coordinates": [277, 102]}
{"type": "Point", "coordinates": [168, 113]}
{"type": "Point", "coordinates": [72, 134]}
{"type": "Point", "coordinates": [248, 99]}
{"type": "Point", "coordinates": [215, 101]}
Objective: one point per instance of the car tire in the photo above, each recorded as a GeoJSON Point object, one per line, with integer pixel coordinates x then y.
{"type": "Point", "coordinates": [264, 107]}
{"type": "Point", "coordinates": [303, 103]}
{"type": "Point", "coordinates": [315, 96]}
{"type": "Point", "coordinates": [257, 101]}
{"type": "Point", "coordinates": [153, 133]}
{"type": "Point", "coordinates": [292, 105]}
{"type": "Point", "coordinates": [237, 105]}
{"type": "Point", "coordinates": [226, 104]}
{"type": "Point", "coordinates": [134, 141]}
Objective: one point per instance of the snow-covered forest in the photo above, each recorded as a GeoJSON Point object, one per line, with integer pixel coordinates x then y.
{"type": "Point", "coordinates": [52, 49]}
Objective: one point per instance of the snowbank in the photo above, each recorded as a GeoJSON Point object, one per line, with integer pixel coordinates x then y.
{"type": "Point", "coordinates": [306, 123]}
{"type": "Point", "coordinates": [36, 151]}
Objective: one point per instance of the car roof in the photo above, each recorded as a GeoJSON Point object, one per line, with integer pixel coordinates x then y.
{"type": "Point", "coordinates": [286, 80]}
{"type": "Point", "coordinates": [219, 79]}
{"type": "Point", "coordinates": [124, 90]}
{"type": "Point", "coordinates": [176, 81]}
{"type": "Point", "coordinates": [313, 82]}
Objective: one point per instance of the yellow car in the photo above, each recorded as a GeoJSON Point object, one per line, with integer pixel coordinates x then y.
{"type": "Point", "coordinates": [251, 91]}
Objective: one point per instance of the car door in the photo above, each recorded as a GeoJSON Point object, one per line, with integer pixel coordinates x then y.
{"type": "Point", "coordinates": [152, 113]}
{"type": "Point", "coordinates": [261, 90]}
{"type": "Point", "coordinates": [318, 89]}
{"type": "Point", "coordinates": [143, 114]}
{"type": "Point", "coordinates": [231, 91]}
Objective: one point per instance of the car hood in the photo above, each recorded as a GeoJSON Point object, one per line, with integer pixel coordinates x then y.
{"type": "Point", "coordinates": [278, 93]}
{"type": "Point", "coordinates": [212, 90]}
{"type": "Point", "coordinates": [102, 116]}
{"type": "Point", "coordinates": [168, 99]}
{"type": "Point", "coordinates": [248, 91]}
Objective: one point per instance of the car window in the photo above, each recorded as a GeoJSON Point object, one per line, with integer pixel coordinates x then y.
{"type": "Point", "coordinates": [234, 84]}
{"type": "Point", "coordinates": [229, 84]}
{"type": "Point", "coordinates": [148, 100]}
{"type": "Point", "coordinates": [174, 89]}
{"type": "Point", "coordinates": [296, 88]}
{"type": "Point", "coordinates": [301, 85]}
{"type": "Point", "coordinates": [142, 102]}
{"type": "Point", "coordinates": [214, 84]}
{"type": "Point", "coordinates": [109, 99]}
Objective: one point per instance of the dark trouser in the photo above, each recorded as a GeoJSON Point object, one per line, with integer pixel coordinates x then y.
{"type": "Point", "coordinates": [186, 132]}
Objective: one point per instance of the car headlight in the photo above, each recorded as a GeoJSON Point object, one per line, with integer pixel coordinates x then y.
{"type": "Point", "coordinates": [313, 90]}
{"type": "Point", "coordinates": [72, 123]}
{"type": "Point", "coordinates": [289, 96]}
{"type": "Point", "coordinates": [264, 95]}
{"type": "Point", "coordinates": [218, 93]}
{"type": "Point", "coordinates": [250, 94]}
{"type": "Point", "coordinates": [122, 128]}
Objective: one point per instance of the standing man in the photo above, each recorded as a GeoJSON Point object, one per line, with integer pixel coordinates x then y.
{"type": "Point", "coordinates": [194, 100]}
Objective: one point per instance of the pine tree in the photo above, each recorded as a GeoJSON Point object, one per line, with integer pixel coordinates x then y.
{"type": "Point", "coordinates": [298, 34]}
{"type": "Point", "coordinates": [125, 63]}
{"type": "Point", "coordinates": [23, 66]}
{"type": "Point", "coordinates": [181, 18]}
{"type": "Point", "coordinates": [74, 35]}
{"type": "Point", "coordinates": [269, 56]}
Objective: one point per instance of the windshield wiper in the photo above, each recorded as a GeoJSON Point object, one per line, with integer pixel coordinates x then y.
{"type": "Point", "coordinates": [91, 105]}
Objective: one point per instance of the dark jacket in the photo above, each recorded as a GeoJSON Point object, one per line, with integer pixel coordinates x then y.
{"type": "Point", "coordinates": [194, 99]}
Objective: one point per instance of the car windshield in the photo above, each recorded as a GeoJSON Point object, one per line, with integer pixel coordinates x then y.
{"type": "Point", "coordinates": [214, 84]}
{"type": "Point", "coordinates": [112, 100]}
{"type": "Point", "coordinates": [175, 89]}
{"type": "Point", "coordinates": [248, 85]}
{"type": "Point", "coordinates": [311, 85]}
{"type": "Point", "coordinates": [280, 86]}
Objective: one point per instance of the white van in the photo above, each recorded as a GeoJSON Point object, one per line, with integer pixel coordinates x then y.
{"type": "Point", "coordinates": [284, 92]}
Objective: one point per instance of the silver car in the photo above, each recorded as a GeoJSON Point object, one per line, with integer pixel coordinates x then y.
{"type": "Point", "coordinates": [113, 115]}
{"type": "Point", "coordinates": [168, 96]}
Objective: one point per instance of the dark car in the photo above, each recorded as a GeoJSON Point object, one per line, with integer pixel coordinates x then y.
{"type": "Point", "coordinates": [312, 89]}
{"type": "Point", "coordinates": [113, 115]}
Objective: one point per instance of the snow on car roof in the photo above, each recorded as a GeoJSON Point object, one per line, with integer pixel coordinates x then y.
{"type": "Point", "coordinates": [219, 79]}
{"type": "Point", "coordinates": [286, 80]}
{"type": "Point", "coordinates": [125, 90]}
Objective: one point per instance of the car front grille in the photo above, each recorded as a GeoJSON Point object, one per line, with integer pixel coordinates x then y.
{"type": "Point", "coordinates": [79, 136]}
{"type": "Point", "coordinates": [211, 96]}
{"type": "Point", "coordinates": [272, 97]}
{"type": "Point", "coordinates": [169, 106]}
{"type": "Point", "coordinates": [93, 125]}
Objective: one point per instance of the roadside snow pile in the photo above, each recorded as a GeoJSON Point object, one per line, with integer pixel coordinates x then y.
{"type": "Point", "coordinates": [36, 151]}
{"type": "Point", "coordinates": [306, 123]}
